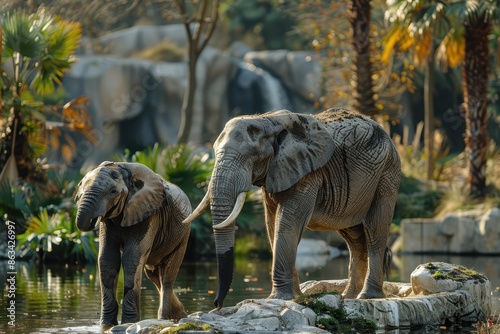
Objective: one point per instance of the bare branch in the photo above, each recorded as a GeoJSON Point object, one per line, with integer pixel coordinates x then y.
{"type": "Point", "coordinates": [213, 23]}
{"type": "Point", "coordinates": [185, 20]}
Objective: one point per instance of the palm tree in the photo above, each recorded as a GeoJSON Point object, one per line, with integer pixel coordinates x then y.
{"type": "Point", "coordinates": [36, 50]}
{"type": "Point", "coordinates": [359, 15]}
{"type": "Point", "coordinates": [477, 19]}
{"type": "Point", "coordinates": [465, 26]}
{"type": "Point", "coordinates": [416, 24]}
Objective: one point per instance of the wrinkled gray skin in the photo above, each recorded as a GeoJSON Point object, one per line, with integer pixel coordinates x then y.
{"type": "Point", "coordinates": [140, 228]}
{"type": "Point", "coordinates": [336, 170]}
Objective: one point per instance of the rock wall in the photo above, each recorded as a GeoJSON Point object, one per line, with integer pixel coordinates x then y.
{"type": "Point", "coordinates": [136, 102]}
{"type": "Point", "coordinates": [469, 232]}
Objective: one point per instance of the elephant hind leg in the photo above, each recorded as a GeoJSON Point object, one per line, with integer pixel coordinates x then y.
{"type": "Point", "coordinates": [358, 259]}
{"type": "Point", "coordinates": [153, 277]}
{"type": "Point", "coordinates": [170, 305]}
{"type": "Point", "coordinates": [379, 255]}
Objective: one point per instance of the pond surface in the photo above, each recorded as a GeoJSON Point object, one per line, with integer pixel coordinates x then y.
{"type": "Point", "coordinates": [59, 299]}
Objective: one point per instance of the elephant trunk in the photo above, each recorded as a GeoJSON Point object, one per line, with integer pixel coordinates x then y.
{"type": "Point", "coordinates": [224, 188]}
{"type": "Point", "coordinates": [224, 245]}
{"type": "Point", "coordinates": [87, 215]}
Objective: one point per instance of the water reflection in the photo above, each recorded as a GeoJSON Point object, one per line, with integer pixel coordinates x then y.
{"type": "Point", "coordinates": [55, 299]}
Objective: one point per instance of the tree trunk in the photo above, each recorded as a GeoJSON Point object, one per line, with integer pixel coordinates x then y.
{"type": "Point", "coordinates": [475, 84]}
{"type": "Point", "coordinates": [359, 13]}
{"type": "Point", "coordinates": [429, 116]}
{"type": "Point", "coordinates": [188, 102]}
{"type": "Point", "coordinates": [15, 142]}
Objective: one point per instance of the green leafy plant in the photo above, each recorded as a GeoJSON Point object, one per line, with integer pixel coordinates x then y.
{"type": "Point", "coordinates": [14, 205]}
{"type": "Point", "coordinates": [415, 201]}
{"type": "Point", "coordinates": [38, 48]}
{"type": "Point", "coordinates": [55, 236]}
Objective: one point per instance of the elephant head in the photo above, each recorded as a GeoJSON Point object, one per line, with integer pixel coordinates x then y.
{"type": "Point", "coordinates": [273, 150]}
{"type": "Point", "coordinates": [123, 192]}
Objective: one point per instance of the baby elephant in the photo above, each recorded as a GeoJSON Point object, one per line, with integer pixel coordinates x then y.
{"type": "Point", "coordinates": [140, 226]}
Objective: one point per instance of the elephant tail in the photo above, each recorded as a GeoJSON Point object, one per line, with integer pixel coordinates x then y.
{"type": "Point", "coordinates": [387, 262]}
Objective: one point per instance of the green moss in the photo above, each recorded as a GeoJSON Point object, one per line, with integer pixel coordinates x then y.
{"type": "Point", "coordinates": [430, 266]}
{"type": "Point", "coordinates": [334, 319]}
{"type": "Point", "coordinates": [188, 326]}
{"type": "Point", "coordinates": [439, 275]}
{"type": "Point", "coordinates": [458, 273]}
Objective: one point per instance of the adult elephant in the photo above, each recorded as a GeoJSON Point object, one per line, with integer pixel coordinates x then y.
{"type": "Point", "coordinates": [336, 170]}
{"type": "Point", "coordinates": [140, 228]}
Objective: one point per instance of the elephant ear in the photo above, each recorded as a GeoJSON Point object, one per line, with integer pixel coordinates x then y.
{"type": "Point", "coordinates": [146, 193]}
{"type": "Point", "coordinates": [302, 145]}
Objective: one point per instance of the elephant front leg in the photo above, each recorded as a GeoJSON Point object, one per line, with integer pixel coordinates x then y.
{"type": "Point", "coordinates": [132, 270]}
{"type": "Point", "coordinates": [109, 268]}
{"type": "Point", "coordinates": [291, 220]}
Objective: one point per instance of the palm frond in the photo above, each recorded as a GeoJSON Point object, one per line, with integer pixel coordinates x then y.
{"type": "Point", "coordinates": [62, 39]}
{"type": "Point", "coordinates": [18, 37]}
{"type": "Point", "coordinates": [471, 10]}
{"type": "Point", "coordinates": [426, 17]}
{"type": "Point", "coordinates": [451, 50]}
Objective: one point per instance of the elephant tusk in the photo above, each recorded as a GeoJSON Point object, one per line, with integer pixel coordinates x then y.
{"type": "Point", "coordinates": [199, 209]}
{"type": "Point", "coordinates": [240, 200]}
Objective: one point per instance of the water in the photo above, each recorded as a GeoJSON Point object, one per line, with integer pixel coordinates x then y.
{"type": "Point", "coordinates": [61, 299]}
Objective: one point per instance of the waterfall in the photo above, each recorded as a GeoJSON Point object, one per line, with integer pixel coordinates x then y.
{"type": "Point", "coordinates": [274, 95]}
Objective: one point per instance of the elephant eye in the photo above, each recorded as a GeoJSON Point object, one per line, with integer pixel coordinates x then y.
{"type": "Point", "coordinates": [114, 191]}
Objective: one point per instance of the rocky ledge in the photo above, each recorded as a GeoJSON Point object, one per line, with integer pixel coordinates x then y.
{"type": "Point", "coordinates": [439, 294]}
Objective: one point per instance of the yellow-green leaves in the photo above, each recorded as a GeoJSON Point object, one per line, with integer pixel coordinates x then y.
{"type": "Point", "coordinates": [40, 46]}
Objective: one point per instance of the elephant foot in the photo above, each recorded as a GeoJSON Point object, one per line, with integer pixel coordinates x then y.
{"type": "Point", "coordinates": [278, 294]}
{"type": "Point", "coordinates": [371, 294]}
{"type": "Point", "coordinates": [174, 316]}
{"type": "Point", "coordinates": [130, 320]}
{"type": "Point", "coordinates": [350, 293]}
{"type": "Point", "coordinates": [104, 322]}
{"type": "Point", "coordinates": [106, 327]}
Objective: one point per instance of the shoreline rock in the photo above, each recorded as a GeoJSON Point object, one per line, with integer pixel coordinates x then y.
{"type": "Point", "coordinates": [428, 300]}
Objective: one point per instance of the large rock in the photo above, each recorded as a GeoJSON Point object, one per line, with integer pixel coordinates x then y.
{"type": "Point", "coordinates": [144, 98]}
{"type": "Point", "coordinates": [415, 311]}
{"type": "Point", "coordinates": [299, 71]}
{"type": "Point", "coordinates": [260, 315]}
{"type": "Point", "coordinates": [465, 232]}
{"type": "Point", "coordinates": [437, 277]}
{"type": "Point", "coordinates": [129, 41]}
{"type": "Point", "coordinates": [486, 238]}
{"type": "Point", "coordinates": [423, 302]}
{"type": "Point", "coordinates": [391, 289]}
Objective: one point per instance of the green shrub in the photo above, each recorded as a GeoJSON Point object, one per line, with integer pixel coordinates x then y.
{"type": "Point", "coordinates": [55, 237]}
{"type": "Point", "coordinates": [414, 201]}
